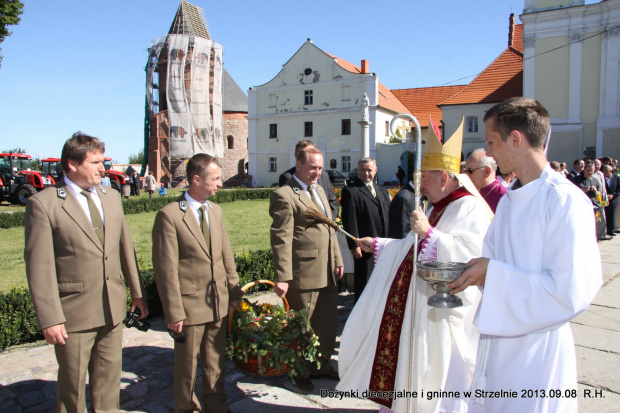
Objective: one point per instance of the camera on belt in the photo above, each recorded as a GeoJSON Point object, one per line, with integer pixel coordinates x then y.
{"type": "Point", "coordinates": [133, 320]}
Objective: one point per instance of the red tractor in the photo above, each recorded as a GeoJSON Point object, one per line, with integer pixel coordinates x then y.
{"type": "Point", "coordinates": [17, 181]}
{"type": "Point", "coordinates": [52, 167]}
{"type": "Point", "coordinates": [117, 178]}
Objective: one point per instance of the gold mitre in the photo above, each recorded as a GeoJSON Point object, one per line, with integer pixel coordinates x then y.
{"type": "Point", "coordinates": [443, 157]}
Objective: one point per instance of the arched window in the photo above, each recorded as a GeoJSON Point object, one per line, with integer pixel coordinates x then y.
{"type": "Point", "coordinates": [231, 142]}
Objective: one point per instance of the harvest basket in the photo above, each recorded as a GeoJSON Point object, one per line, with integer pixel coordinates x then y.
{"type": "Point", "coordinates": [269, 340]}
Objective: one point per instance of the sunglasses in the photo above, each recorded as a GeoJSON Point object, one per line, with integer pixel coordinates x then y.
{"type": "Point", "coordinates": [471, 171]}
{"type": "Point", "coordinates": [179, 337]}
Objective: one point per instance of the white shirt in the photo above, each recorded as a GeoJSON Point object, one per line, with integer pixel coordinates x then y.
{"type": "Point", "coordinates": [195, 206]}
{"type": "Point", "coordinates": [77, 192]}
{"type": "Point", "coordinates": [307, 190]}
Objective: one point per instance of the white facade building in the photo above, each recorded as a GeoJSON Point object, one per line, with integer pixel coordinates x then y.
{"type": "Point", "coordinates": [316, 96]}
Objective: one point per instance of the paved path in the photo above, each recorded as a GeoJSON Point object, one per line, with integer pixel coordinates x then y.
{"type": "Point", "coordinates": [28, 373]}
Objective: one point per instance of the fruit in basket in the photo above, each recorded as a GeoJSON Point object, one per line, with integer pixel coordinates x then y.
{"type": "Point", "coordinates": [254, 325]}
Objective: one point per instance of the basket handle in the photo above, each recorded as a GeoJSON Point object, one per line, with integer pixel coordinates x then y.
{"type": "Point", "coordinates": [247, 287]}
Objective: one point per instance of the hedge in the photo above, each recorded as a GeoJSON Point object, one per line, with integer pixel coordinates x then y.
{"type": "Point", "coordinates": [18, 323]}
{"type": "Point", "coordinates": [12, 219]}
{"type": "Point", "coordinates": [139, 205]}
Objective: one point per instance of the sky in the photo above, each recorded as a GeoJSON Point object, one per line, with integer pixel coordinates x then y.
{"type": "Point", "coordinates": [79, 64]}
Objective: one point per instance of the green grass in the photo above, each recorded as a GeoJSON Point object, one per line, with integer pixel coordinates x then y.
{"type": "Point", "coordinates": [247, 223]}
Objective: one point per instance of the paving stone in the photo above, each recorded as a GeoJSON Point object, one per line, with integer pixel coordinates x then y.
{"type": "Point", "coordinates": [138, 390]}
{"type": "Point", "coordinates": [5, 394]}
{"type": "Point", "coordinates": [599, 316]}
{"type": "Point", "coordinates": [30, 398]}
{"type": "Point", "coordinates": [598, 369]}
{"type": "Point", "coordinates": [591, 402]}
{"type": "Point", "coordinates": [154, 407]}
{"type": "Point", "coordinates": [133, 404]}
{"type": "Point", "coordinates": [47, 406]}
{"type": "Point", "coordinates": [11, 408]}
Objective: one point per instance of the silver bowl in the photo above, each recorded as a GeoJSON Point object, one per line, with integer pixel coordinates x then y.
{"type": "Point", "coordinates": [438, 275]}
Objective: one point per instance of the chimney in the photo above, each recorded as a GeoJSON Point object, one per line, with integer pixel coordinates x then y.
{"type": "Point", "coordinates": [364, 66]}
{"type": "Point", "coordinates": [511, 29]}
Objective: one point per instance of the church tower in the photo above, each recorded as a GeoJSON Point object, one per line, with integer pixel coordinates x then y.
{"type": "Point", "coordinates": [192, 103]}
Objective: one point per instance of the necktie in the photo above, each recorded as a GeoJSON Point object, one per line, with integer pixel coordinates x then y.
{"type": "Point", "coordinates": [204, 226]}
{"type": "Point", "coordinates": [372, 190]}
{"type": "Point", "coordinates": [316, 201]}
{"type": "Point", "coordinates": [95, 216]}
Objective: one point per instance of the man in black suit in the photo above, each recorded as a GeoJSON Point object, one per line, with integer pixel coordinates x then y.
{"type": "Point", "coordinates": [323, 181]}
{"type": "Point", "coordinates": [613, 190]}
{"type": "Point", "coordinates": [578, 166]}
{"type": "Point", "coordinates": [365, 213]}
{"type": "Point", "coordinates": [135, 181]}
{"type": "Point", "coordinates": [401, 208]}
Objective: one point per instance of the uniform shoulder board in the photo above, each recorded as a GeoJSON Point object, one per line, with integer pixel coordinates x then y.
{"type": "Point", "coordinates": [183, 205]}
{"type": "Point", "coordinates": [102, 189]}
{"type": "Point", "coordinates": [319, 188]}
{"type": "Point", "coordinates": [61, 193]}
{"type": "Point", "coordinates": [297, 191]}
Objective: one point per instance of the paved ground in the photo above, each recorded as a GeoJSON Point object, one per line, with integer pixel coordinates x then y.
{"type": "Point", "coordinates": [28, 374]}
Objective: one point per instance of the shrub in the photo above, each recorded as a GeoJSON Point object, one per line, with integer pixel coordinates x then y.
{"type": "Point", "coordinates": [18, 323]}
{"type": "Point", "coordinates": [12, 219]}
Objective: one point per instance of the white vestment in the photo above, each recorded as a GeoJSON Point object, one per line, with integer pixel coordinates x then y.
{"type": "Point", "coordinates": [544, 269]}
{"type": "Point", "coordinates": [445, 339]}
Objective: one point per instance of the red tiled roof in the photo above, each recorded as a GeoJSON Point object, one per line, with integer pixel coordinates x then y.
{"type": "Point", "coordinates": [387, 99]}
{"type": "Point", "coordinates": [501, 80]}
{"type": "Point", "coordinates": [424, 101]}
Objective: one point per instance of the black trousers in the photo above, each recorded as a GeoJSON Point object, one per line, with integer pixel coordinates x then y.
{"type": "Point", "coordinates": [363, 268]}
{"type": "Point", "coordinates": [610, 216]}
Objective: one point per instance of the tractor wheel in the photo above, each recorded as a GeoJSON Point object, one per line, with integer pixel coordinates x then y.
{"type": "Point", "coordinates": [116, 185]}
{"type": "Point", "coordinates": [24, 192]}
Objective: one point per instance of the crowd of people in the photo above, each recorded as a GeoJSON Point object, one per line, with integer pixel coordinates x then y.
{"type": "Point", "coordinates": [532, 265]}
{"type": "Point", "coordinates": [598, 178]}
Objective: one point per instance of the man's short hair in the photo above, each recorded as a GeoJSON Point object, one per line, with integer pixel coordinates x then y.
{"type": "Point", "coordinates": [77, 147]}
{"type": "Point", "coordinates": [308, 150]}
{"type": "Point", "coordinates": [525, 115]}
{"type": "Point", "coordinates": [303, 144]}
{"type": "Point", "coordinates": [577, 162]}
{"type": "Point", "coordinates": [607, 167]}
{"type": "Point", "coordinates": [555, 165]}
{"type": "Point", "coordinates": [484, 159]}
{"type": "Point", "coordinates": [198, 164]}
{"type": "Point", "coordinates": [366, 159]}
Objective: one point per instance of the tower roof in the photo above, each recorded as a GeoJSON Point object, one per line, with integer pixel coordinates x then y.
{"type": "Point", "coordinates": [233, 98]}
{"type": "Point", "coordinates": [190, 19]}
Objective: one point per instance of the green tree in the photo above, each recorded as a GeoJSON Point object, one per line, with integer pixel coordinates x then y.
{"type": "Point", "coordinates": [136, 158]}
{"type": "Point", "coordinates": [18, 150]}
{"type": "Point", "coordinates": [10, 10]}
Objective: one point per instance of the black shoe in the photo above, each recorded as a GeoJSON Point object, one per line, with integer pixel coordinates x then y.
{"type": "Point", "coordinates": [304, 383]}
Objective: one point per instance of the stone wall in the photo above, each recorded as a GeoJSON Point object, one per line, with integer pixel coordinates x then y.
{"type": "Point", "coordinates": [236, 149]}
